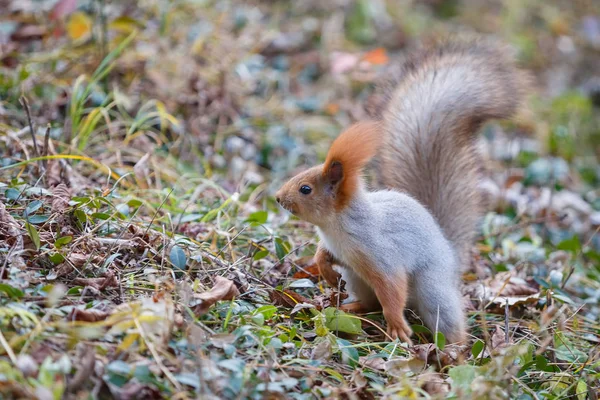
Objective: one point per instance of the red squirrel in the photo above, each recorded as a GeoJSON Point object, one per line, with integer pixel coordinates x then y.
{"type": "Point", "coordinates": [405, 242]}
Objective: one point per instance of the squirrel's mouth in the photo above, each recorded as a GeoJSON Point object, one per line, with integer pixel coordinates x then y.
{"type": "Point", "coordinates": [288, 206]}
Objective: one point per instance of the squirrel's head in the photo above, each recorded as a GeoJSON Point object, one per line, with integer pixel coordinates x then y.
{"type": "Point", "coordinates": [320, 192]}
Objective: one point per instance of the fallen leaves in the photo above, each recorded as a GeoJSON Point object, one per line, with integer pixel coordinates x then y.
{"type": "Point", "coordinates": [61, 196]}
{"type": "Point", "coordinates": [224, 289]}
{"type": "Point", "coordinates": [287, 298]}
{"type": "Point", "coordinates": [503, 288]}
{"type": "Point", "coordinates": [91, 315]}
{"type": "Point", "coordinates": [110, 280]}
{"type": "Point", "coordinates": [10, 233]}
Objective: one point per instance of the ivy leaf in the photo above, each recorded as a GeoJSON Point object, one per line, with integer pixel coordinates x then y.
{"type": "Point", "coordinates": [462, 377]}
{"type": "Point", "coordinates": [477, 348]}
{"type": "Point", "coordinates": [12, 292]}
{"type": "Point", "coordinates": [32, 207]}
{"type": "Point", "coordinates": [38, 219]}
{"type": "Point", "coordinates": [33, 234]}
{"type": "Point", "coordinates": [178, 257]}
{"type": "Point", "coordinates": [337, 320]}
{"type": "Point", "coordinates": [258, 218]}
{"type": "Point", "coordinates": [572, 245]}
{"type": "Point", "coordinates": [281, 248]}
{"type": "Point", "coordinates": [349, 353]}
{"type": "Point", "coordinates": [440, 340]}
{"type": "Point", "coordinates": [261, 254]}
{"type": "Point", "coordinates": [61, 241]}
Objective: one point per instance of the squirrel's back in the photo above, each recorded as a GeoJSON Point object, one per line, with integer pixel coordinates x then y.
{"type": "Point", "coordinates": [430, 117]}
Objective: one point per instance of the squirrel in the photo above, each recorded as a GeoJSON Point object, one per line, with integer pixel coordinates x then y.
{"type": "Point", "coordinates": [406, 242]}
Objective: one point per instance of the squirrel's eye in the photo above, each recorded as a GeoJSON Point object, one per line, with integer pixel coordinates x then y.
{"type": "Point", "coordinates": [305, 189]}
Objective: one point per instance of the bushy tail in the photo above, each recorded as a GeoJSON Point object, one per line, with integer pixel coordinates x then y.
{"type": "Point", "coordinates": [431, 115]}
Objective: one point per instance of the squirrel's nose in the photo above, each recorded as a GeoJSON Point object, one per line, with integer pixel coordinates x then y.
{"type": "Point", "coordinates": [278, 199]}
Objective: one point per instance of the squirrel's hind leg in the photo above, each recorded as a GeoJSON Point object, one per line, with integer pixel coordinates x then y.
{"type": "Point", "coordinates": [440, 306]}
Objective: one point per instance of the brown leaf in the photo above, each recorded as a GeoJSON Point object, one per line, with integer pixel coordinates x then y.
{"type": "Point", "coordinates": [78, 259]}
{"type": "Point", "coordinates": [134, 390]}
{"type": "Point", "coordinates": [224, 289]}
{"type": "Point", "coordinates": [433, 383]}
{"type": "Point", "coordinates": [309, 268]}
{"type": "Point", "coordinates": [498, 339]}
{"type": "Point", "coordinates": [61, 197]}
{"type": "Point", "coordinates": [322, 351]}
{"type": "Point", "coordinates": [97, 283]}
{"type": "Point", "coordinates": [377, 363]}
{"type": "Point", "coordinates": [28, 32]}
{"type": "Point", "coordinates": [502, 288]}
{"type": "Point", "coordinates": [91, 315]}
{"type": "Point", "coordinates": [287, 298]}
{"type": "Point", "coordinates": [10, 234]}
{"type": "Point", "coordinates": [505, 284]}
{"type": "Point", "coordinates": [451, 355]}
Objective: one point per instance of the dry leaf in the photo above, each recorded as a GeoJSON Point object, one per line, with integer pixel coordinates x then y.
{"type": "Point", "coordinates": [28, 32]}
{"type": "Point", "coordinates": [287, 298]}
{"type": "Point", "coordinates": [377, 56]}
{"type": "Point", "coordinates": [98, 283]}
{"type": "Point", "coordinates": [433, 383]}
{"type": "Point", "coordinates": [11, 235]}
{"type": "Point", "coordinates": [90, 315]}
{"type": "Point", "coordinates": [61, 196]}
{"type": "Point", "coordinates": [309, 268]}
{"type": "Point", "coordinates": [322, 351]}
{"type": "Point", "coordinates": [142, 171]}
{"type": "Point", "coordinates": [451, 355]}
{"type": "Point", "coordinates": [505, 284]}
{"type": "Point", "coordinates": [502, 288]}
{"type": "Point", "coordinates": [224, 289]}
{"type": "Point", "coordinates": [498, 339]}
{"type": "Point", "coordinates": [375, 363]}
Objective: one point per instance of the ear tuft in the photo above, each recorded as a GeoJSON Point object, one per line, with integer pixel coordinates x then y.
{"type": "Point", "coordinates": [335, 173]}
{"type": "Point", "coordinates": [348, 155]}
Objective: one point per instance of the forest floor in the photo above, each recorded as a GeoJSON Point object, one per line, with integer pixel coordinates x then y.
{"type": "Point", "coordinates": [142, 254]}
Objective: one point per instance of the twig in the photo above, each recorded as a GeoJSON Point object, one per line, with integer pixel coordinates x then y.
{"type": "Point", "coordinates": [8, 349]}
{"type": "Point", "coordinates": [572, 266]}
{"type": "Point", "coordinates": [25, 104]}
{"type": "Point", "coordinates": [506, 338]}
{"type": "Point", "coordinates": [156, 356]}
{"type": "Point", "coordinates": [46, 144]}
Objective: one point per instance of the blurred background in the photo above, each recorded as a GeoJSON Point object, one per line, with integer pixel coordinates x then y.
{"type": "Point", "coordinates": [259, 88]}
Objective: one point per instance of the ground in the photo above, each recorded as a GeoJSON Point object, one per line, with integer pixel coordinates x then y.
{"type": "Point", "coordinates": [142, 254]}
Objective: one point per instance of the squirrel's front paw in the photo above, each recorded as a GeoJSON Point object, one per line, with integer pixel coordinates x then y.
{"type": "Point", "coordinates": [398, 327]}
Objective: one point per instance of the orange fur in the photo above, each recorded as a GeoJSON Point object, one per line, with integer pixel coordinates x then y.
{"type": "Point", "coordinates": [324, 261]}
{"type": "Point", "coordinates": [352, 149]}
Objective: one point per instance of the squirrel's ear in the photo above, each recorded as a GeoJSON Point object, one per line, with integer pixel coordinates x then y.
{"type": "Point", "coordinates": [335, 173]}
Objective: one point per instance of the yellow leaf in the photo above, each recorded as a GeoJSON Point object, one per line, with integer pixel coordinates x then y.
{"type": "Point", "coordinates": [79, 27]}
{"type": "Point", "coordinates": [128, 341]}
{"type": "Point", "coordinates": [125, 24]}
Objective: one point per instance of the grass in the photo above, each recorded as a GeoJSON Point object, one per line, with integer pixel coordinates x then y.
{"type": "Point", "coordinates": [142, 254]}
